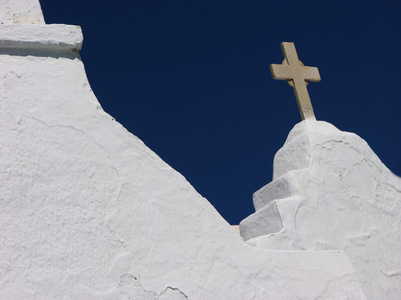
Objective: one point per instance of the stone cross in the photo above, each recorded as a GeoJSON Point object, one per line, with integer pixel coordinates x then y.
{"type": "Point", "coordinates": [298, 76]}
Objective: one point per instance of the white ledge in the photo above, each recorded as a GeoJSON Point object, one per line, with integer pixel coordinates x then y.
{"type": "Point", "coordinates": [43, 37]}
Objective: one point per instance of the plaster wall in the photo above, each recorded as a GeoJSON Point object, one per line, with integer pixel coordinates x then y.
{"type": "Point", "coordinates": [331, 191]}
{"type": "Point", "coordinates": [89, 212]}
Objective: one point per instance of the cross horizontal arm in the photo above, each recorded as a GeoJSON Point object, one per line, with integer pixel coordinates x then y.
{"type": "Point", "coordinates": [311, 74]}
{"type": "Point", "coordinates": [281, 72]}
{"type": "Point", "coordinates": [285, 72]}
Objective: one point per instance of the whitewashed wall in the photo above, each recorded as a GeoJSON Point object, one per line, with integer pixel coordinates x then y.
{"type": "Point", "coordinates": [89, 212]}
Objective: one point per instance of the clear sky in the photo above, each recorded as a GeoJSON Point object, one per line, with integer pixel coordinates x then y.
{"type": "Point", "coordinates": [191, 79]}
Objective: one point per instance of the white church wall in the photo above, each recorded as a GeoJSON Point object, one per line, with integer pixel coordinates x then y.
{"type": "Point", "coordinates": [89, 212]}
{"type": "Point", "coordinates": [340, 196]}
{"type": "Point", "coordinates": [21, 12]}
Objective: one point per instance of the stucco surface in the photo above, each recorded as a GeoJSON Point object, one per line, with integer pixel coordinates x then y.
{"type": "Point", "coordinates": [331, 191]}
{"type": "Point", "coordinates": [21, 12]}
{"type": "Point", "coordinates": [89, 212]}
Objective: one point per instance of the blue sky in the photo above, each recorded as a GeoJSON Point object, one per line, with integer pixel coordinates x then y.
{"type": "Point", "coordinates": [191, 79]}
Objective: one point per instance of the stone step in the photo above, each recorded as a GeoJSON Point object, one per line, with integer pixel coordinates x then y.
{"type": "Point", "coordinates": [264, 221]}
{"type": "Point", "coordinates": [280, 188]}
{"type": "Point", "coordinates": [287, 237]}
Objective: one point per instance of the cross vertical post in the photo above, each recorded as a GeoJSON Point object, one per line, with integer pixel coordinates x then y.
{"type": "Point", "coordinates": [297, 75]}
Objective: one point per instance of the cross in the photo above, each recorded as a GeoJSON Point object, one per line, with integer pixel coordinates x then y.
{"type": "Point", "coordinates": [298, 76]}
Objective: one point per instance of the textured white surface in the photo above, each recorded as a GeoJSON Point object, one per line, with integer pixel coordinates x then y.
{"type": "Point", "coordinates": [46, 37]}
{"type": "Point", "coordinates": [21, 12]}
{"type": "Point", "coordinates": [89, 212]}
{"type": "Point", "coordinates": [339, 195]}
